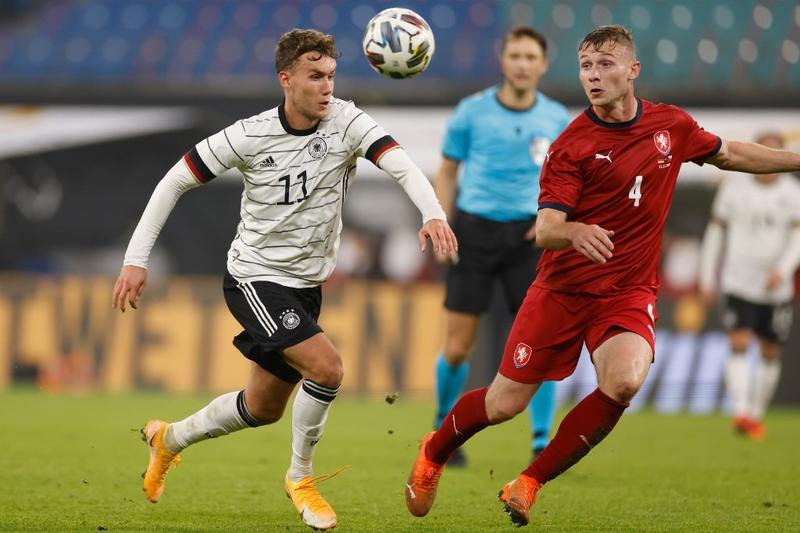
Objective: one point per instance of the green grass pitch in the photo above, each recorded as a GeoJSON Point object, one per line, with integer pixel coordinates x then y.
{"type": "Point", "coordinates": [73, 463]}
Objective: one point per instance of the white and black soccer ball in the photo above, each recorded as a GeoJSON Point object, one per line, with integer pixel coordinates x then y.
{"type": "Point", "coordinates": [398, 43]}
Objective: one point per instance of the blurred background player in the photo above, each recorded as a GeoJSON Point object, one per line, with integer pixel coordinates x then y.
{"type": "Point", "coordinates": [607, 186]}
{"type": "Point", "coordinates": [501, 135]}
{"type": "Point", "coordinates": [296, 160]}
{"type": "Point", "coordinates": [756, 221]}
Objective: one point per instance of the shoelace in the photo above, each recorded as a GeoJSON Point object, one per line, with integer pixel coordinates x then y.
{"type": "Point", "coordinates": [429, 479]}
{"type": "Point", "coordinates": [308, 487]}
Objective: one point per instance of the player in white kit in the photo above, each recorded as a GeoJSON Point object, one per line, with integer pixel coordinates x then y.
{"type": "Point", "coordinates": [756, 220]}
{"type": "Point", "coordinates": [297, 160]}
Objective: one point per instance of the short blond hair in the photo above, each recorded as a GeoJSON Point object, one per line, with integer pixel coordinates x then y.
{"type": "Point", "coordinates": [611, 33]}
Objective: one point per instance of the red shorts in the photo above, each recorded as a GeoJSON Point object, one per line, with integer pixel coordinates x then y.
{"type": "Point", "coordinates": [550, 328]}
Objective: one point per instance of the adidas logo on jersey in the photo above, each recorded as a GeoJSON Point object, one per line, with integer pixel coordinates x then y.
{"type": "Point", "coordinates": [268, 163]}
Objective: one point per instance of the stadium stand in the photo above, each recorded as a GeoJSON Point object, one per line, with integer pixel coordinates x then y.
{"type": "Point", "coordinates": [196, 48]}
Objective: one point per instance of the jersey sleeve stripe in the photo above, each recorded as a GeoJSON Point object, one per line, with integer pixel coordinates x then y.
{"type": "Point", "coordinates": [231, 145]}
{"type": "Point", "coordinates": [555, 205]}
{"type": "Point", "coordinates": [344, 135]}
{"type": "Point", "coordinates": [208, 143]}
{"type": "Point", "coordinates": [197, 166]}
{"type": "Point", "coordinates": [712, 153]}
{"type": "Point", "coordinates": [380, 147]}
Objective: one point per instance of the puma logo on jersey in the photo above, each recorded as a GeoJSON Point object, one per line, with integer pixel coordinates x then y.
{"type": "Point", "coordinates": [606, 156]}
{"type": "Point", "coordinates": [268, 162]}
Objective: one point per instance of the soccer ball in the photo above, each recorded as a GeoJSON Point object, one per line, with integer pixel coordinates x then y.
{"type": "Point", "coordinates": [398, 43]}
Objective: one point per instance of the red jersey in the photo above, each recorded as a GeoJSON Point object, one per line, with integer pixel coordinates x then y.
{"type": "Point", "coordinates": [620, 176]}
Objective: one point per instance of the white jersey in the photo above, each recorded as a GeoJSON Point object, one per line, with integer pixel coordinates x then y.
{"type": "Point", "coordinates": [759, 218]}
{"type": "Point", "coordinates": [295, 183]}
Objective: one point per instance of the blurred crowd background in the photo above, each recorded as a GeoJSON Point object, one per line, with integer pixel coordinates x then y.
{"type": "Point", "coordinates": [100, 98]}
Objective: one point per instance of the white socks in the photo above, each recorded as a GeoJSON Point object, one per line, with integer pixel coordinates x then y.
{"type": "Point", "coordinates": [748, 399]}
{"type": "Point", "coordinates": [767, 375]}
{"type": "Point", "coordinates": [228, 413]}
{"type": "Point", "coordinates": [309, 413]}
{"type": "Point", "coordinates": [225, 414]}
{"type": "Point", "coordinates": [737, 380]}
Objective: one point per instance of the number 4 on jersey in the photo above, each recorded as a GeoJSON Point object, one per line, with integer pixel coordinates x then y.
{"type": "Point", "coordinates": [635, 193]}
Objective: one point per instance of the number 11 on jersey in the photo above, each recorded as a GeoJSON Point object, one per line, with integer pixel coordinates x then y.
{"type": "Point", "coordinates": [635, 193]}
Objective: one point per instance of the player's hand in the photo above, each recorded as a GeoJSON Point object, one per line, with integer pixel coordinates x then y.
{"type": "Point", "coordinates": [443, 240]}
{"type": "Point", "coordinates": [129, 286]}
{"type": "Point", "coordinates": [530, 235]}
{"type": "Point", "coordinates": [444, 259]}
{"type": "Point", "coordinates": [709, 298]}
{"type": "Point", "coordinates": [774, 279]}
{"type": "Point", "coordinates": [593, 241]}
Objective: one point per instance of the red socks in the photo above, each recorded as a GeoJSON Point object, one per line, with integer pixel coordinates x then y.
{"type": "Point", "coordinates": [467, 417]}
{"type": "Point", "coordinates": [583, 428]}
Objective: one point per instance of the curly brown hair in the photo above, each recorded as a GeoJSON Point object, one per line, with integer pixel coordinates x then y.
{"type": "Point", "coordinates": [611, 33]}
{"type": "Point", "coordinates": [296, 42]}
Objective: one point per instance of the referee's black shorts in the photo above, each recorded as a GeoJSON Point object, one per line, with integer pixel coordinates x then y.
{"type": "Point", "coordinates": [490, 250]}
{"type": "Point", "coordinates": [274, 317]}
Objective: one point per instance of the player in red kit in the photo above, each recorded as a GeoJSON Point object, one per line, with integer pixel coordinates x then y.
{"type": "Point", "coordinates": [606, 188]}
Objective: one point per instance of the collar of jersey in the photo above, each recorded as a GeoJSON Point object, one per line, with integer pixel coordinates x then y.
{"type": "Point", "coordinates": [515, 109]}
{"type": "Point", "coordinates": [290, 130]}
{"type": "Point", "coordinates": [615, 125]}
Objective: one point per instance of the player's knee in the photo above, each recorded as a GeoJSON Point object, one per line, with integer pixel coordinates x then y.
{"type": "Point", "coordinates": [626, 388]}
{"type": "Point", "coordinates": [329, 372]}
{"type": "Point", "coordinates": [457, 350]}
{"type": "Point", "coordinates": [740, 341]}
{"type": "Point", "coordinates": [505, 408]}
{"type": "Point", "coordinates": [770, 352]}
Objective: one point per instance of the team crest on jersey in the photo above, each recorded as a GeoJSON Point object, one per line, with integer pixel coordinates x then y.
{"type": "Point", "coordinates": [317, 148]}
{"type": "Point", "coordinates": [522, 354]}
{"type": "Point", "coordinates": [662, 142]}
{"type": "Point", "coordinates": [290, 319]}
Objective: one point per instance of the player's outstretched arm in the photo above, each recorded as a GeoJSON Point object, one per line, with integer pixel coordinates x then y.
{"type": "Point", "coordinates": [553, 232]}
{"type": "Point", "coordinates": [398, 165]}
{"type": "Point", "coordinates": [133, 277]}
{"type": "Point", "coordinates": [754, 158]}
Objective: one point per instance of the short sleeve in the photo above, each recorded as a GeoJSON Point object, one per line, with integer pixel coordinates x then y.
{"type": "Point", "coordinates": [699, 144]}
{"type": "Point", "coordinates": [216, 154]}
{"type": "Point", "coordinates": [456, 138]}
{"type": "Point", "coordinates": [364, 136]}
{"type": "Point", "coordinates": [560, 181]}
